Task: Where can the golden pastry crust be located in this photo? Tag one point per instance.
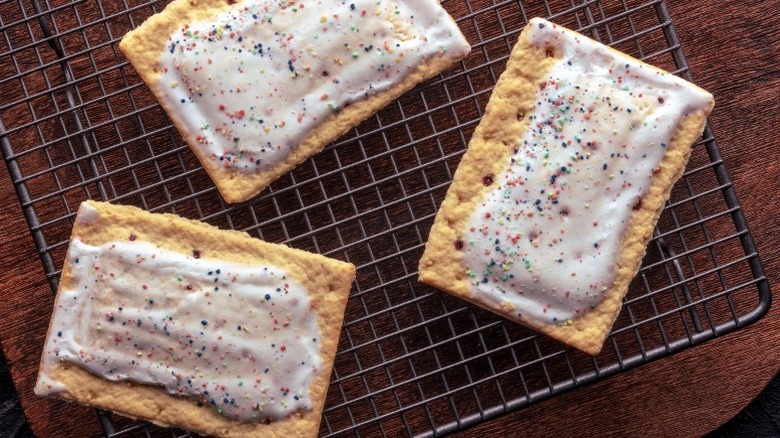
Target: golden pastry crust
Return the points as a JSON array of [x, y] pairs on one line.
[[327, 281], [514, 93], [144, 45]]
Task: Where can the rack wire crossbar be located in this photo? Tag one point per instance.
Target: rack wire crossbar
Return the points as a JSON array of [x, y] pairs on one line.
[[76, 122]]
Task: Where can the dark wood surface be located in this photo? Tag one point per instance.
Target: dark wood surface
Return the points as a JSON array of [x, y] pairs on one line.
[[734, 50]]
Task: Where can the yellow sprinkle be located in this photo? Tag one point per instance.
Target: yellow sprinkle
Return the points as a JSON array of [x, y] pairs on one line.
[[323, 19]]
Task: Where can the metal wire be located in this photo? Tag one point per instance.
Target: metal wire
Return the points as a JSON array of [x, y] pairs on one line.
[[76, 122]]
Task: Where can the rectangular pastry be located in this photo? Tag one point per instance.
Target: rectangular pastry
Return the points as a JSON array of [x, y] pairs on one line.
[[182, 324], [256, 87], [552, 206]]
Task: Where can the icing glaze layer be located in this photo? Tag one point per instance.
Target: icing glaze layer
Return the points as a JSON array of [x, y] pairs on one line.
[[256, 80], [241, 339], [545, 241], [87, 214]]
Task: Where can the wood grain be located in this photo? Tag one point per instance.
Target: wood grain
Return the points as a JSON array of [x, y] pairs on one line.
[[732, 47]]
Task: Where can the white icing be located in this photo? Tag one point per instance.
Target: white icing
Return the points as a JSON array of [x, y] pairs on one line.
[[87, 214], [546, 239], [252, 83], [241, 339]]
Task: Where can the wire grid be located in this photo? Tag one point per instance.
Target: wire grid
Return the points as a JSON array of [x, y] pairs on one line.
[[76, 122]]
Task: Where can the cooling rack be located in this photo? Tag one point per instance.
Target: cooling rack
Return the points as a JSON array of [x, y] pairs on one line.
[[76, 122]]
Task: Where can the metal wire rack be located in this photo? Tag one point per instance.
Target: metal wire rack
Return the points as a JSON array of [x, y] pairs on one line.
[[76, 122]]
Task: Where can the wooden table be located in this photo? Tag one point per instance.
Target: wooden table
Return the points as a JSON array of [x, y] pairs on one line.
[[733, 49]]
